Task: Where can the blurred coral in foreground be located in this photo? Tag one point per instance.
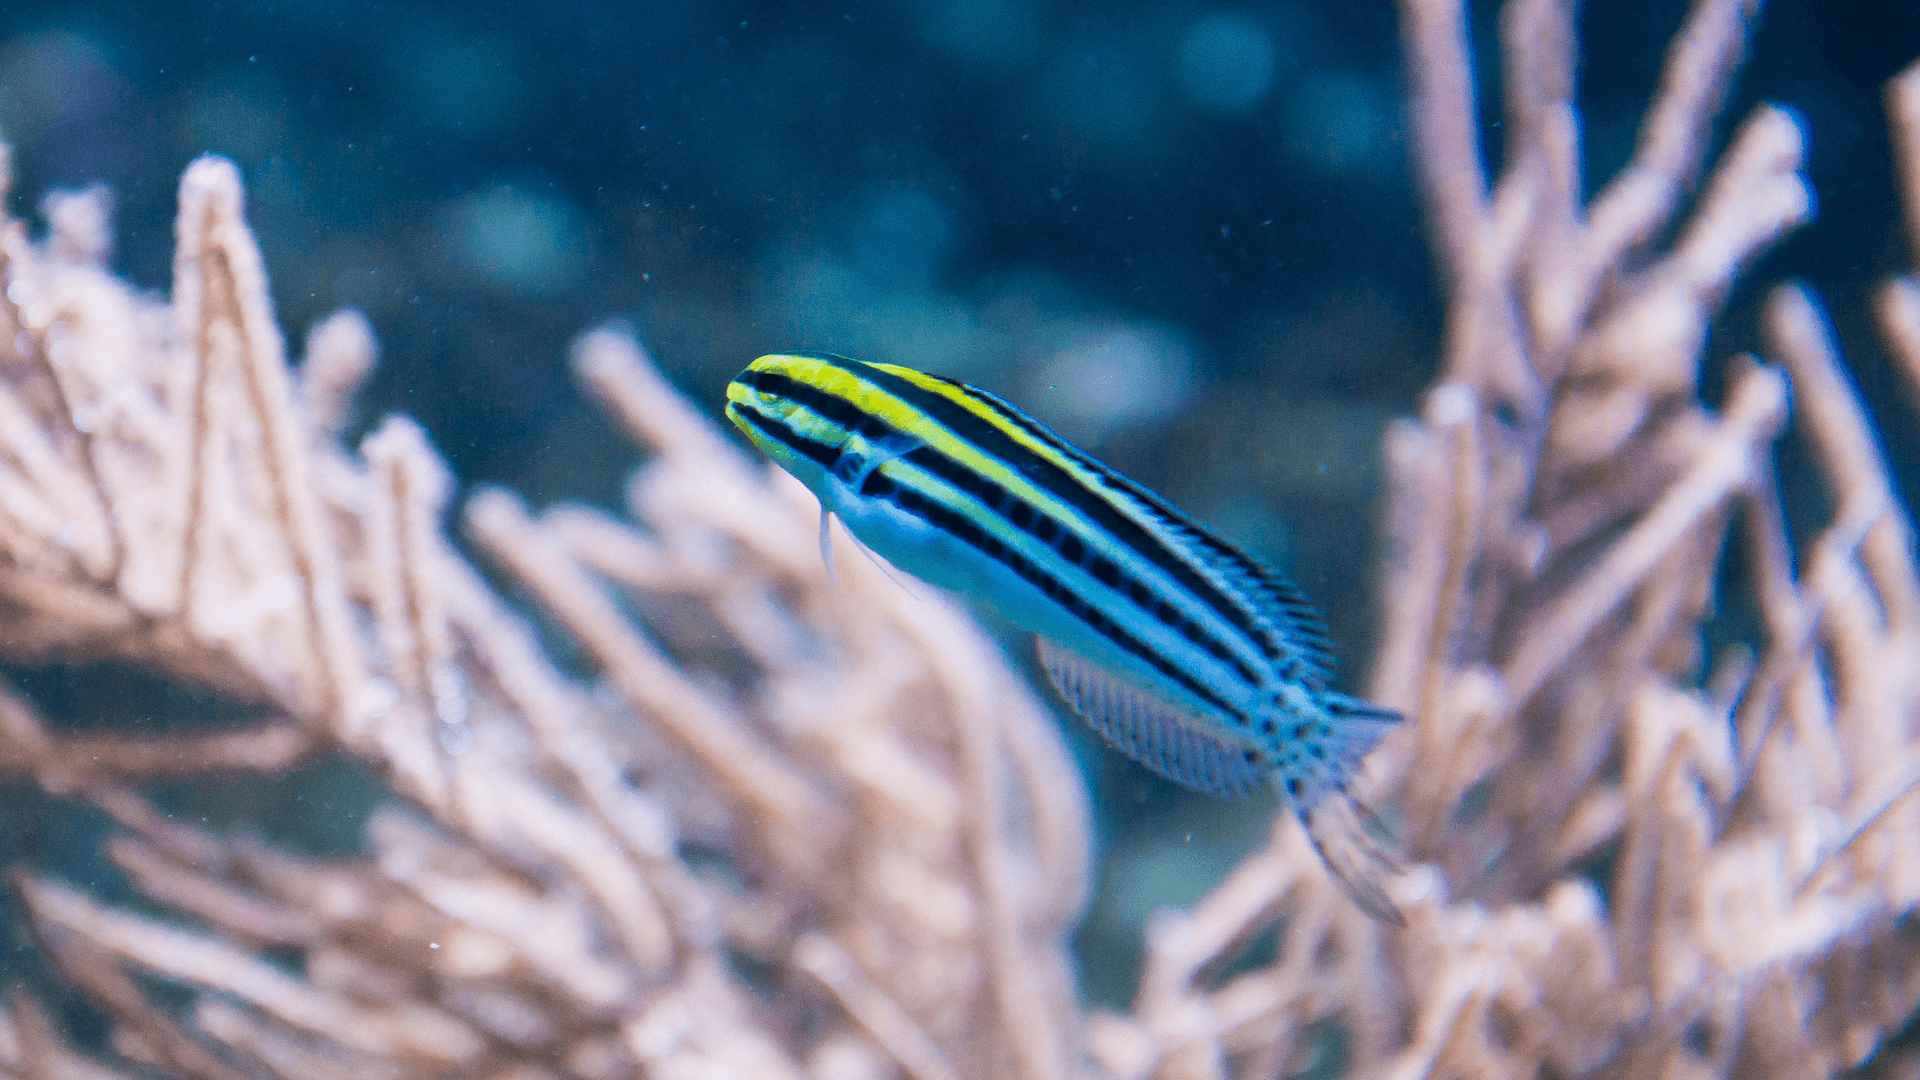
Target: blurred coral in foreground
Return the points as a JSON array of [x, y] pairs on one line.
[[792, 830]]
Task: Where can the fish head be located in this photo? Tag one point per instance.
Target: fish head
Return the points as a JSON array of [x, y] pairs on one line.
[[768, 402]]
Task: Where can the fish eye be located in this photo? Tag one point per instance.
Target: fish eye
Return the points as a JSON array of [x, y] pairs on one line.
[[766, 397]]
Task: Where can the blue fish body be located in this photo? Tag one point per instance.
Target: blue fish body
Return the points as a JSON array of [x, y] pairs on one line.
[[1194, 659]]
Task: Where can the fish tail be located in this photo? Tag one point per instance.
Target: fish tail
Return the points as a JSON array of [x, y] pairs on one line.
[[1351, 841], [1357, 725]]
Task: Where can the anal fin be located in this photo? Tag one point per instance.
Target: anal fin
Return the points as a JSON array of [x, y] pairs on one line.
[[1158, 734]]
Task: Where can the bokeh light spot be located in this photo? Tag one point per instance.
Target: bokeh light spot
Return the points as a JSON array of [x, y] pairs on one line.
[[536, 240], [1226, 62], [902, 238], [1111, 378], [1342, 124], [981, 33]]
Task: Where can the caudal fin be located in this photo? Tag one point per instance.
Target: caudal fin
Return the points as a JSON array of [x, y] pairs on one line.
[[1357, 724], [1351, 841], [1347, 834]]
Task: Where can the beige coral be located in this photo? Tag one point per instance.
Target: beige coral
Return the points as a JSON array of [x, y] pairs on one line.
[[904, 833]]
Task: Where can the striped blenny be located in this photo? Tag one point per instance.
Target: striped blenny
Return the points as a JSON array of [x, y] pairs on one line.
[[1199, 662]]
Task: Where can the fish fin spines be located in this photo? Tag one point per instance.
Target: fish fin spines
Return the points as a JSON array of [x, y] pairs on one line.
[[1348, 836], [1156, 733], [1269, 594], [1358, 725], [1297, 628]]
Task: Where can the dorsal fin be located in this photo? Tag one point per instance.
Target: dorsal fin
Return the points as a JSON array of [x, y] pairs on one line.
[[1272, 598], [1298, 633], [1160, 735]]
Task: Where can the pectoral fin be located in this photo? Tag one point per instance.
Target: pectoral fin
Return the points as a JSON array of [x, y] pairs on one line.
[[862, 455]]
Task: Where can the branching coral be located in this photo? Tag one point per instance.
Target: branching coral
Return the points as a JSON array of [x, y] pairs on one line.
[[903, 836], [1627, 872], [787, 829]]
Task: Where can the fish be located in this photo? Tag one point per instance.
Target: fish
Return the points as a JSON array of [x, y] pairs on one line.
[[1187, 655]]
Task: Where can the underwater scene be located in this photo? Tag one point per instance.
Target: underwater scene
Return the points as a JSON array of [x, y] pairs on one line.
[[1022, 539]]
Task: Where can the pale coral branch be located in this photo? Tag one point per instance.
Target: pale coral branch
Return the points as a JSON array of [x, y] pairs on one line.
[[410, 1030], [1180, 943], [340, 351], [1538, 40], [551, 711], [1903, 117], [41, 1053], [1452, 177], [503, 805], [1755, 195], [1797, 613], [86, 213], [426, 888], [79, 225], [1419, 498], [614, 367], [228, 319], [1061, 822], [401, 529], [1900, 780], [73, 763], [186, 392], [1897, 312], [1026, 1013], [1452, 416], [315, 559], [257, 921], [1543, 149], [143, 1033], [716, 484], [1699, 67], [261, 749], [780, 803], [1754, 409], [1844, 439], [881, 1017], [283, 1052], [624, 555], [180, 843]]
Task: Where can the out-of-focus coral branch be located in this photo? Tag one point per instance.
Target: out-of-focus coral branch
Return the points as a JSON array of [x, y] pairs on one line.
[[1903, 116], [868, 778]]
